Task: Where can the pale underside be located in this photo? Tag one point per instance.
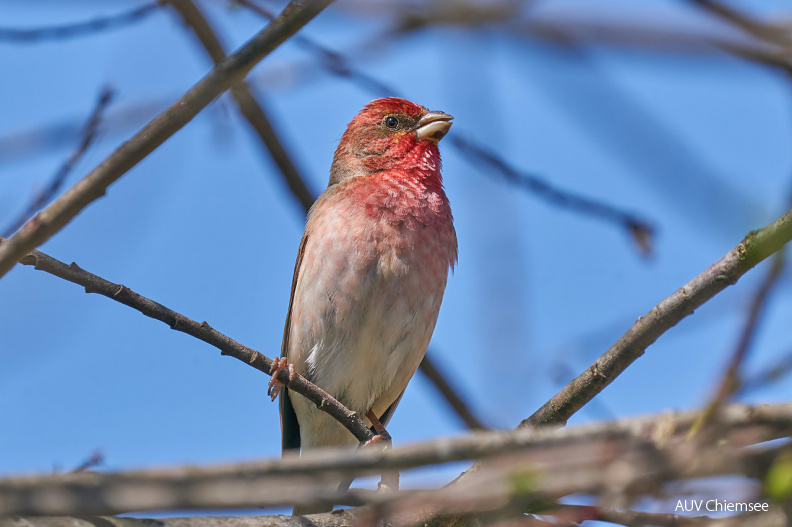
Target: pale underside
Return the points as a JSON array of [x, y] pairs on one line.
[[365, 305]]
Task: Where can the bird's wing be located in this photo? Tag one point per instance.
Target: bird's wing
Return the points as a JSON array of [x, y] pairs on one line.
[[387, 414], [290, 427]]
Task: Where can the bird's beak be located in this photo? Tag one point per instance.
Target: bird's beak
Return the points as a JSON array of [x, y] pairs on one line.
[[433, 126]]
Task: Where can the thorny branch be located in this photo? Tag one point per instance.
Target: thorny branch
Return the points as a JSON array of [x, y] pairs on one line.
[[54, 217], [202, 331], [80, 28], [88, 135]]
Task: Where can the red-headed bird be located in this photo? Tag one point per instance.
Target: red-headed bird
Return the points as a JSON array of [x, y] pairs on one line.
[[370, 274]]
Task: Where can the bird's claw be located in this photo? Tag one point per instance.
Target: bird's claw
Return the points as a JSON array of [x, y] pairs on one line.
[[379, 438], [382, 434], [275, 385]]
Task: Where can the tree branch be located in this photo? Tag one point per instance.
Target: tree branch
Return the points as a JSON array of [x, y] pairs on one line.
[[202, 331], [80, 28], [450, 394], [339, 65], [770, 33], [88, 135], [732, 378], [49, 221], [246, 103], [559, 453], [342, 518], [756, 246]]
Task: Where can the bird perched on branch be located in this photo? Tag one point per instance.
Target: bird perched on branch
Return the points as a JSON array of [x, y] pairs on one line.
[[370, 273]]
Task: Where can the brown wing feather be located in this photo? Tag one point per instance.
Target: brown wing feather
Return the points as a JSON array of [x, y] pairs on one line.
[[290, 427]]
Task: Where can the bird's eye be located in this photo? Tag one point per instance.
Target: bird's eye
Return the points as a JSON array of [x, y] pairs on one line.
[[391, 122]]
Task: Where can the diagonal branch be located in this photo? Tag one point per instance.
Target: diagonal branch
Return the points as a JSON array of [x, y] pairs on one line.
[[450, 394], [770, 33], [756, 246], [53, 218], [88, 135], [640, 230], [732, 380], [246, 103], [202, 331]]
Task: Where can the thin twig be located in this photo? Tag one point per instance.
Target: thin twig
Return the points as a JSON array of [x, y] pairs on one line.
[[774, 35], [202, 331], [88, 27], [53, 218], [248, 107], [732, 378], [776, 371], [94, 460], [88, 135], [450, 394], [331, 60], [640, 230], [770, 33]]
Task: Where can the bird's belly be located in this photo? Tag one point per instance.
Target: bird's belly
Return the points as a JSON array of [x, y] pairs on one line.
[[364, 326], [372, 345]]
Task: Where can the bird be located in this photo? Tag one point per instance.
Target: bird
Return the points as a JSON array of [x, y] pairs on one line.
[[370, 275]]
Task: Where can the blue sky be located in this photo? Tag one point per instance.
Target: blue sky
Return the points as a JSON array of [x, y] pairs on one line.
[[695, 142]]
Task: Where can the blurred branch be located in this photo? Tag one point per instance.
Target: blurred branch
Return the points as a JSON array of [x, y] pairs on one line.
[[341, 518], [80, 28], [94, 460], [39, 140], [202, 331], [53, 218], [550, 457], [754, 248], [452, 397], [773, 373], [640, 230], [732, 379], [337, 64], [250, 109], [768, 518], [770, 33], [331, 60], [88, 135]]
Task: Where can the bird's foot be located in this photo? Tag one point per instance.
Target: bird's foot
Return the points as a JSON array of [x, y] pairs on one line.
[[379, 438], [382, 434], [275, 385]]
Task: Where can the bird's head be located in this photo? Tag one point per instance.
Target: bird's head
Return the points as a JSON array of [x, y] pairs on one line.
[[390, 133]]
